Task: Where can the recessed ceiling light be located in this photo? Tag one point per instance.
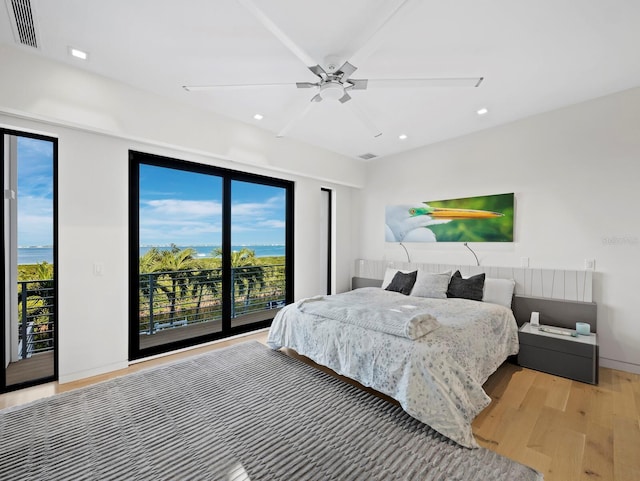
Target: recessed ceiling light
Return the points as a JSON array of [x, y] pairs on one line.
[[258, 117], [402, 136], [81, 54], [482, 111]]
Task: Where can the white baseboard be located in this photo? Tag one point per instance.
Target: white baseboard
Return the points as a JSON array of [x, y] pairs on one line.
[[76, 376], [620, 365]]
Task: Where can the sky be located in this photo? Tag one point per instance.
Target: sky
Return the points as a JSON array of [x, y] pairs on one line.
[[185, 208], [35, 192], [176, 207]]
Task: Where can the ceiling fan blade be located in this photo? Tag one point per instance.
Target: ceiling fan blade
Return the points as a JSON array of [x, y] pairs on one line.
[[306, 85], [346, 70], [319, 71], [294, 120], [279, 34], [198, 88], [365, 118], [345, 98], [357, 84], [369, 40], [425, 82]]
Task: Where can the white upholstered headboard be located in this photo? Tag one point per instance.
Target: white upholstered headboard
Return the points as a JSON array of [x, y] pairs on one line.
[[548, 283]]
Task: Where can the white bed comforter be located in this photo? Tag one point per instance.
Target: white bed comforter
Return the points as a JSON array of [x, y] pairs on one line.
[[436, 378], [395, 315]]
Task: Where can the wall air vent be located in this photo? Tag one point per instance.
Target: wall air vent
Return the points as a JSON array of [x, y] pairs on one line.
[[368, 156], [23, 22]]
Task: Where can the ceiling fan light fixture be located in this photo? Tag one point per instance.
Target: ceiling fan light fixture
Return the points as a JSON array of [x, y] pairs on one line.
[[331, 91]]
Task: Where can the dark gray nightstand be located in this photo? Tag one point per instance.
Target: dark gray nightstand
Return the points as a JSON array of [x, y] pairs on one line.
[[571, 357]]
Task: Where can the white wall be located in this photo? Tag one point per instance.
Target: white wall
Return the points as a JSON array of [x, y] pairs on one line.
[[97, 121], [576, 177]]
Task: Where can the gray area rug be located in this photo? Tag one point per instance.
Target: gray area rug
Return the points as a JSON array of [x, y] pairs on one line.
[[239, 413]]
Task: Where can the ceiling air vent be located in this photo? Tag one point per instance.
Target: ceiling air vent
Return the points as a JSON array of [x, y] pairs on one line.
[[22, 22], [368, 156]]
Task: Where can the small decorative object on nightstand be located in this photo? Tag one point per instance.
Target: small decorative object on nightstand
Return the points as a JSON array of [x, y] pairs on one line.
[[583, 328], [559, 351]]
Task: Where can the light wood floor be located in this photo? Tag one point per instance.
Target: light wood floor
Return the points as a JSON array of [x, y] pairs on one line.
[[566, 429]]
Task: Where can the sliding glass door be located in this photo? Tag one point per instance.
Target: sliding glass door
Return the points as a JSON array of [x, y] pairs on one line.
[[180, 223], [28, 335], [210, 255], [258, 251]]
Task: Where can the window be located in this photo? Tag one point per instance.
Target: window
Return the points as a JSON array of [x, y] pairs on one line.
[[28, 336], [210, 252]]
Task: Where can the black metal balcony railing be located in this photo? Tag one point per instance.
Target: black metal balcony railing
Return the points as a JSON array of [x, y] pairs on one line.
[[182, 298], [36, 302], [167, 300]]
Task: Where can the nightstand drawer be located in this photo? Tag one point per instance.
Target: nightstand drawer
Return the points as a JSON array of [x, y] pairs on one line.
[[556, 344], [559, 363]]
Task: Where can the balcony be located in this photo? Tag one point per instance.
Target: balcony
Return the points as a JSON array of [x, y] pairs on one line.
[[178, 305], [36, 311], [36, 315], [174, 305]]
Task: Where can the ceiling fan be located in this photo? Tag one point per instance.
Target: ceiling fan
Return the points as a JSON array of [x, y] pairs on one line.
[[334, 82]]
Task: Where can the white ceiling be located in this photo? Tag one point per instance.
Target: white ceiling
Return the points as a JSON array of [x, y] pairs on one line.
[[534, 56]]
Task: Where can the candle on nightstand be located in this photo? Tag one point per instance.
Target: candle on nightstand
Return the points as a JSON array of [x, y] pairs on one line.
[[583, 328]]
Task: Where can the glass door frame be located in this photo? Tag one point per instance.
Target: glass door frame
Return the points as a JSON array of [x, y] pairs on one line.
[[3, 341], [136, 158], [328, 254]]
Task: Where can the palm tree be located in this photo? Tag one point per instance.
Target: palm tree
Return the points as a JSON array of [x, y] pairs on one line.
[[247, 273], [208, 281], [44, 271], [147, 265], [36, 299], [149, 260], [178, 265]]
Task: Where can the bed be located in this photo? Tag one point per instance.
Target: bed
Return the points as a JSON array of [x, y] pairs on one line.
[[433, 359]]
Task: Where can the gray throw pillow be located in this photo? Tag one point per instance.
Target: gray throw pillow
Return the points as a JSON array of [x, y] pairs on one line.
[[470, 288], [402, 282], [431, 285]]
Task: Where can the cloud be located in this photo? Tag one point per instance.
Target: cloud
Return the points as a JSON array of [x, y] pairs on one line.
[[267, 219], [196, 222], [184, 208], [35, 221], [35, 167], [273, 224], [165, 221]]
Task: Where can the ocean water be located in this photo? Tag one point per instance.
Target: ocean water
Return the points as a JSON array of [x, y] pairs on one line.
[[207, 251], [35, 255]]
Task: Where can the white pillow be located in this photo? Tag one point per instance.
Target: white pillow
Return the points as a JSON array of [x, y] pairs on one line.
[[388, 275], [431, 285], [498, 291]]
